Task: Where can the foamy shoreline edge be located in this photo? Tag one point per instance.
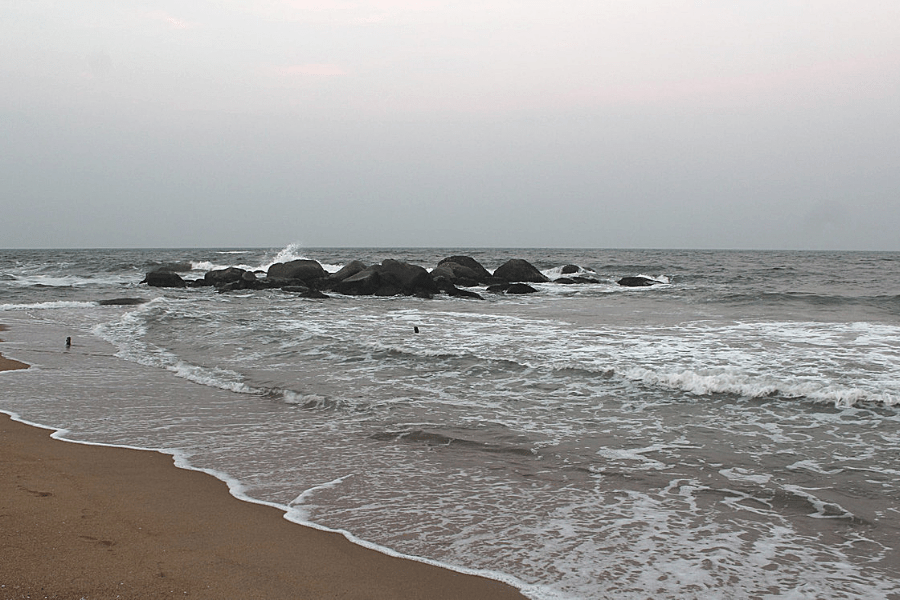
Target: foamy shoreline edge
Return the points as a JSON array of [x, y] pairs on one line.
[[235, 489]]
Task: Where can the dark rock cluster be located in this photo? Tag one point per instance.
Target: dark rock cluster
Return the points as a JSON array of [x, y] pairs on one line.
[[390, 278]]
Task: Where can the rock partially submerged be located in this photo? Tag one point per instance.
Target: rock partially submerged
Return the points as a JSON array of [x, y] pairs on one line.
[[520, 270], [465, 267], [638, 281], [390, 278], [164, 278], [307, 278], [304, 270], [511, 288], [122, 301]]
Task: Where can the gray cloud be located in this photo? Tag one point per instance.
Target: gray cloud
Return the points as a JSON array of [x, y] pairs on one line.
[[404, 123]]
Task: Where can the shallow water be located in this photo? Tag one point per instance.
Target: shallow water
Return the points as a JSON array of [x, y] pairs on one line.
[[731, 432]]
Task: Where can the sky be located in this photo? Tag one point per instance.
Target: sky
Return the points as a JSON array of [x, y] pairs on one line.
[[745, 124]]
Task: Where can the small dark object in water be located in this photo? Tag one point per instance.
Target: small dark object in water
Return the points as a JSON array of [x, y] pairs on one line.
[[68, 342], [520, 288], [164, 279], [636, 282], [416, 329], [122, 302]]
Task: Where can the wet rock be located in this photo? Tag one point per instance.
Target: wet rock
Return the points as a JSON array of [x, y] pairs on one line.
[[390, 278], [363, 283], [520, 288], [637, 282], [474, 269], [302, 269], [122, 301], [164, 278], [456, 274], [451, 290], [520, 270], [348, 270], [511, 288], [220, 277]]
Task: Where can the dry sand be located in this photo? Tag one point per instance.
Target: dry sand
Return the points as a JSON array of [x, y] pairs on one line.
[[93, 522]]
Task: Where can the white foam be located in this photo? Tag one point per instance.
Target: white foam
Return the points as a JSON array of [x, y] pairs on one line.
[[48, 305], [743, 475], [290, 252], [824, 510]]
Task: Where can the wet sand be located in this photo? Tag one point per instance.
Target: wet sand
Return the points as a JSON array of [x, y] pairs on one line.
[[8, 364], [93, 522]]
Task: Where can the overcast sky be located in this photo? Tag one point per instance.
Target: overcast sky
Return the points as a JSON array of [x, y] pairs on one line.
[[592, 123]]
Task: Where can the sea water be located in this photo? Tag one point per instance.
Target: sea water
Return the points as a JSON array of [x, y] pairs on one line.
[[731, 432]]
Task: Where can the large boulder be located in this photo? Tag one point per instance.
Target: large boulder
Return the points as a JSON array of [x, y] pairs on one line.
[[390, 278], [351, 268], [409, 279], [479, 273], [456, 274], [520, 288], [164, 278], [302, 269], [448, 288], [637, 281], [363, 283], [517, 269], [220, 277]]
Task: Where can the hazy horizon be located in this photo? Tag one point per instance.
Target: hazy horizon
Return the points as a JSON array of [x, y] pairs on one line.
[[422, 123]]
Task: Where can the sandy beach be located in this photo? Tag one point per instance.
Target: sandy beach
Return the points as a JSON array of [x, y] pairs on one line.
[[93, 522]]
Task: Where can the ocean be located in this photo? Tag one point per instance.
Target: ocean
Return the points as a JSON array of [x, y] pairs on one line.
[[731, 432]]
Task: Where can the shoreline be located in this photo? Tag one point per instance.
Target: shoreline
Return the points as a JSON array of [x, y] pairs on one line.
[[81, 520], [93, 521], [9, 364]]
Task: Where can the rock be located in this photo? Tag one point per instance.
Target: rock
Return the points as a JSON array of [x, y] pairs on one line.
[[456, 274], [220, 277], [390, 278], [231, 286], [571, 280], [458, 293], [249, 277], [363, 283], [520, 288], [122, 301], [409, 279], [164, 278], [480, 274], [451, 290], [636, 282], [303, 269], [351, 268], [569, 269], [517, 269]]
